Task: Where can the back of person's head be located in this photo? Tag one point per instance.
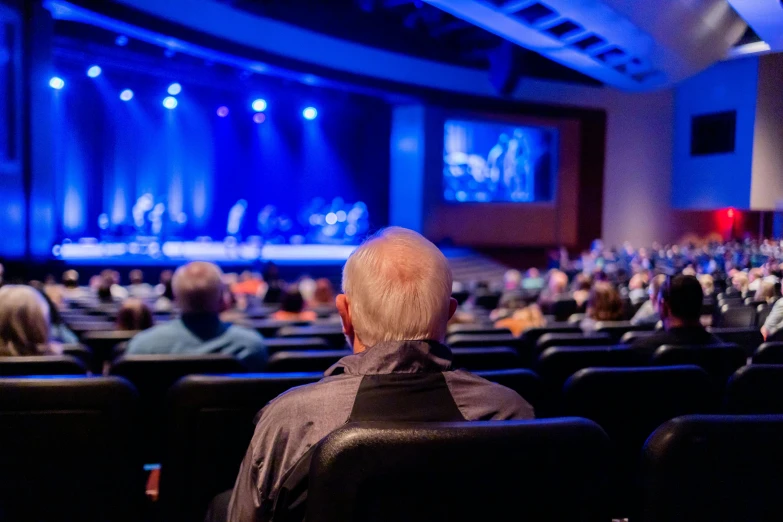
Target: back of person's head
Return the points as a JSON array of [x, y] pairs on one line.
[[740, 281], [604, 303], [136, 277], [198, 288], [70, 279], [558, 282], [767, 291], [681, 297], [292, 301], [324, 291], [24, 321], [166, 276], [707, 284], [51, 309], [583, 282], [655, 286], [134, 315], [397, 286], [512, 279]]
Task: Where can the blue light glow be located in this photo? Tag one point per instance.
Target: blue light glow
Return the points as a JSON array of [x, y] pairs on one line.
[[94, 71], [121, 40], [56, 83], [259, 105], [170, 102], [174, 89], [310, 113], [126, 95]]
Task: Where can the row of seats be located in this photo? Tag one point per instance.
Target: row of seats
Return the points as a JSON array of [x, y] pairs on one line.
[[79, 443]]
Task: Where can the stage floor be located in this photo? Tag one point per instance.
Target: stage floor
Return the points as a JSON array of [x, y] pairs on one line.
[[218, 252]]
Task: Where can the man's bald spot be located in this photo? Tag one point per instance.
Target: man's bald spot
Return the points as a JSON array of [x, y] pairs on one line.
[[198, 287]]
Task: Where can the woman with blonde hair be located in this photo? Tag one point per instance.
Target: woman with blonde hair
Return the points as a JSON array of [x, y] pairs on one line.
[[24, 322], [523, 319]]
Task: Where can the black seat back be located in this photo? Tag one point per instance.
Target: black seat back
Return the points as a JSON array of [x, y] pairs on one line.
[[460, 472], [270, 327], [41, 365], [630, 337], [769, 353], [629, 403], [562, 309], [69, 450], [102, 344], [616, 329], [332, 334], [525, 382], [749, 338], [464, 340], [295, 343], [757, 388], [488, 301], [209, 425], [497, 358], [720, 361], [304, 360], [714, 469], [737, 316], [153, 375], [476, 328], [572, 339]]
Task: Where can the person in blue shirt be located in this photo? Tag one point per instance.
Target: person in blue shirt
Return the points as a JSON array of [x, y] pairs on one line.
[[198, 291]]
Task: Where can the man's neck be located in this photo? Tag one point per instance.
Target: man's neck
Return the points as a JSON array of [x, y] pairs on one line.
[[676, 322]]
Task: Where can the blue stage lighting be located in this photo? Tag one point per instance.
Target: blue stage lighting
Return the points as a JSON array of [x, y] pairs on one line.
[[56, 83], [222, 111], [259, 105], [169, 102], [121, 40], [126, 95], [174, 89], [94, 71], [310, 113]]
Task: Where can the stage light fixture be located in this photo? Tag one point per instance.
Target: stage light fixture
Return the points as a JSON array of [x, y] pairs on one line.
[[56, 83], [174, 89], [222, 111], [94, 71], [170, 102], [310, 113], [126, 95], [121, 40], [259, 117], [259, 105]]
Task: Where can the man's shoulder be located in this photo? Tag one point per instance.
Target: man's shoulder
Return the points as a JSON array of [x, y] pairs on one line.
[[246, 334], [480, 399], [152, 339], [322, 397]]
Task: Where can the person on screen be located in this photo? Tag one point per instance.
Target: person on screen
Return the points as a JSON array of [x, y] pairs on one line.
[[517, 170], [496, 159]]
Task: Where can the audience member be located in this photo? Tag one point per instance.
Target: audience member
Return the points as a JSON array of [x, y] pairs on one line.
[[71, 289], [740, 283], [604, 304], [138, 288], [274, 284], [557, 290], [324, 293], [134, 315], [523, 319], [648, 313], [292, 307], [58, 330], [582, 286], [679, 303], [533, 280], [198, 291], [773, 326], [637, 292], [24, 322], [165, 300], [396, 304], [767, 292], [707, 285], [249, 284]]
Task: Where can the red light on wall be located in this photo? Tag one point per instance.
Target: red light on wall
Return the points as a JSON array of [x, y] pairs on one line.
[[730, 213]]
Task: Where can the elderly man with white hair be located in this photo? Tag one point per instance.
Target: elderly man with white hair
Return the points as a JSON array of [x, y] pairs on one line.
[[394, 309], [198, 290]]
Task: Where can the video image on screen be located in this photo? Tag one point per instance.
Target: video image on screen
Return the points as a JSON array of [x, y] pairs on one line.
[[487, 162]]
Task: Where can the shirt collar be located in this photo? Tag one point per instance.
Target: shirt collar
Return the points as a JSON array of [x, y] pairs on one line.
[[396, 357]]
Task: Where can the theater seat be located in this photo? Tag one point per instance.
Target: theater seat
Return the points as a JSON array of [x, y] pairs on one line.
[[629, 403], [630, 337], [482, 340], [304, 360], [295, 343], [762, 312], [757, 388], [714, 468], [153, 375], [769, 353], [545, 470], [208, 430], [102, 344], [572, 339], [525, 382], [270, 327], [562, 309], [737, 316], [482, 329], [719, 361], [498, 358], [488, 301], [616, 329], [332, 334], [69, 450], [748, 337], [41, 365]]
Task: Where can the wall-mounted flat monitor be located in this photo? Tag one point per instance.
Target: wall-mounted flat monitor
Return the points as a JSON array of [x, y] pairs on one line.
[[713, 133]]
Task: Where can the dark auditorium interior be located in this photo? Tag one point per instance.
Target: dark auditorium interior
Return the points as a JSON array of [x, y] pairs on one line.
[[391, 260]]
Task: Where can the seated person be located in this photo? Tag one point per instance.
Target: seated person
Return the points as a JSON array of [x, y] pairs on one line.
[[324, 293], [134, 315], [138, 288], [679, 303], [557, 290], [396, 304], [58, 330], [292, 307], [636, 291], [648, 312], [523, 319], [604, 304], [198, 292], [24, 322], [773, 326], [582, 286]]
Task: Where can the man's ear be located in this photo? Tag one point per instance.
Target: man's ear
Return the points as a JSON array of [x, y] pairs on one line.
[[452, 307], [344, 309]]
